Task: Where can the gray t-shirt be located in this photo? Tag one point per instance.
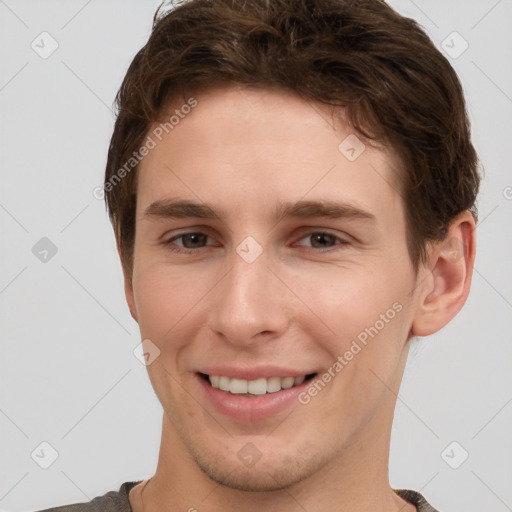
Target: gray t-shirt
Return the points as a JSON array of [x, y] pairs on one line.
[[115, 501]]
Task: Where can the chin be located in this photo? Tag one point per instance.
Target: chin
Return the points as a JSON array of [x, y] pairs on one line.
[[251, 480], [275, 474]]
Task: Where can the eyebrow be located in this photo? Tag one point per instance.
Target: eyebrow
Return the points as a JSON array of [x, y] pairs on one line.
[[184, 208]]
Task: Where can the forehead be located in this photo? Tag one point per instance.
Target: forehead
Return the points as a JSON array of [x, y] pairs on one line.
[[264, 144]]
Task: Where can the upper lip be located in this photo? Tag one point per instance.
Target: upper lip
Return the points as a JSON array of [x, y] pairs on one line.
[[253, 373]]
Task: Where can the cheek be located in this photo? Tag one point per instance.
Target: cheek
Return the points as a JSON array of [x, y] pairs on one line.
[[172, 304], [334, 303], [163, 297], [166, 299], [361, 313], [349, 299], [368, 321]]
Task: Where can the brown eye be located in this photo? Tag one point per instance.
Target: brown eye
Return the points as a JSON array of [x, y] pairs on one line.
[[193, 240], [323, 240], [190, 242]]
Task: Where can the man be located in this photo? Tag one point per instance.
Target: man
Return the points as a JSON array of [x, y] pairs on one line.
[[292, 188]]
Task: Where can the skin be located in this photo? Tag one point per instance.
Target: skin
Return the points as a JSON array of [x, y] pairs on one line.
[[299, 305]]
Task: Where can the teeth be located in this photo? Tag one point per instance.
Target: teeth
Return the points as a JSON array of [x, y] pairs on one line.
[[224, 383], [287, 382], [273, 384], [254, 387], [299, 380], [257, 387], [238, 386]]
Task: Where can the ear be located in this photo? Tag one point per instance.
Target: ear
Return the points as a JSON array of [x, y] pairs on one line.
[[445, 287], [128, 286]]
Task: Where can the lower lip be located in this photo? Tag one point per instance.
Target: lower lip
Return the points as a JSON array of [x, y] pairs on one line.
[[246, 408]]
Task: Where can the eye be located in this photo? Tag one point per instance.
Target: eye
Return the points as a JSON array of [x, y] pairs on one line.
[[323, 240], [191, 242]]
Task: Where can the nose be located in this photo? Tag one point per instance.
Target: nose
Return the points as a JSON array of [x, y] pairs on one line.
[[250, 303]]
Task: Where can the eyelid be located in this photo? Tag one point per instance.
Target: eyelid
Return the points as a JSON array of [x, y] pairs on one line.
[[177, 236], [341, 240], [309, 230], [173, 234]]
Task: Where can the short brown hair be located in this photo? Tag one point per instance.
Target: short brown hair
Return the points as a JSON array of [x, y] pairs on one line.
[[395, 86]]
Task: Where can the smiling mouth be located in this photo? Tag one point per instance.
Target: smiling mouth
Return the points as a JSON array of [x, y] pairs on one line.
[[257, 387]]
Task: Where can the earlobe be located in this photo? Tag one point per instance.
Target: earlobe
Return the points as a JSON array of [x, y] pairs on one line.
[[444, 291]]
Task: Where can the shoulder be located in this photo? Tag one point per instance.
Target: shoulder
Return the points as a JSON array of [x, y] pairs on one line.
[[416, 499], [113, 501]]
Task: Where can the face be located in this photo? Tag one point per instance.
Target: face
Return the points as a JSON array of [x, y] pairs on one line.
[[267, 255]]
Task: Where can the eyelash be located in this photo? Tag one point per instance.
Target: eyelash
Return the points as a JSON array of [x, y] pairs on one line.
[[177, 249]]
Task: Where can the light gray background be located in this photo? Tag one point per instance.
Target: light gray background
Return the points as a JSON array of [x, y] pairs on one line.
[[68, 374]]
